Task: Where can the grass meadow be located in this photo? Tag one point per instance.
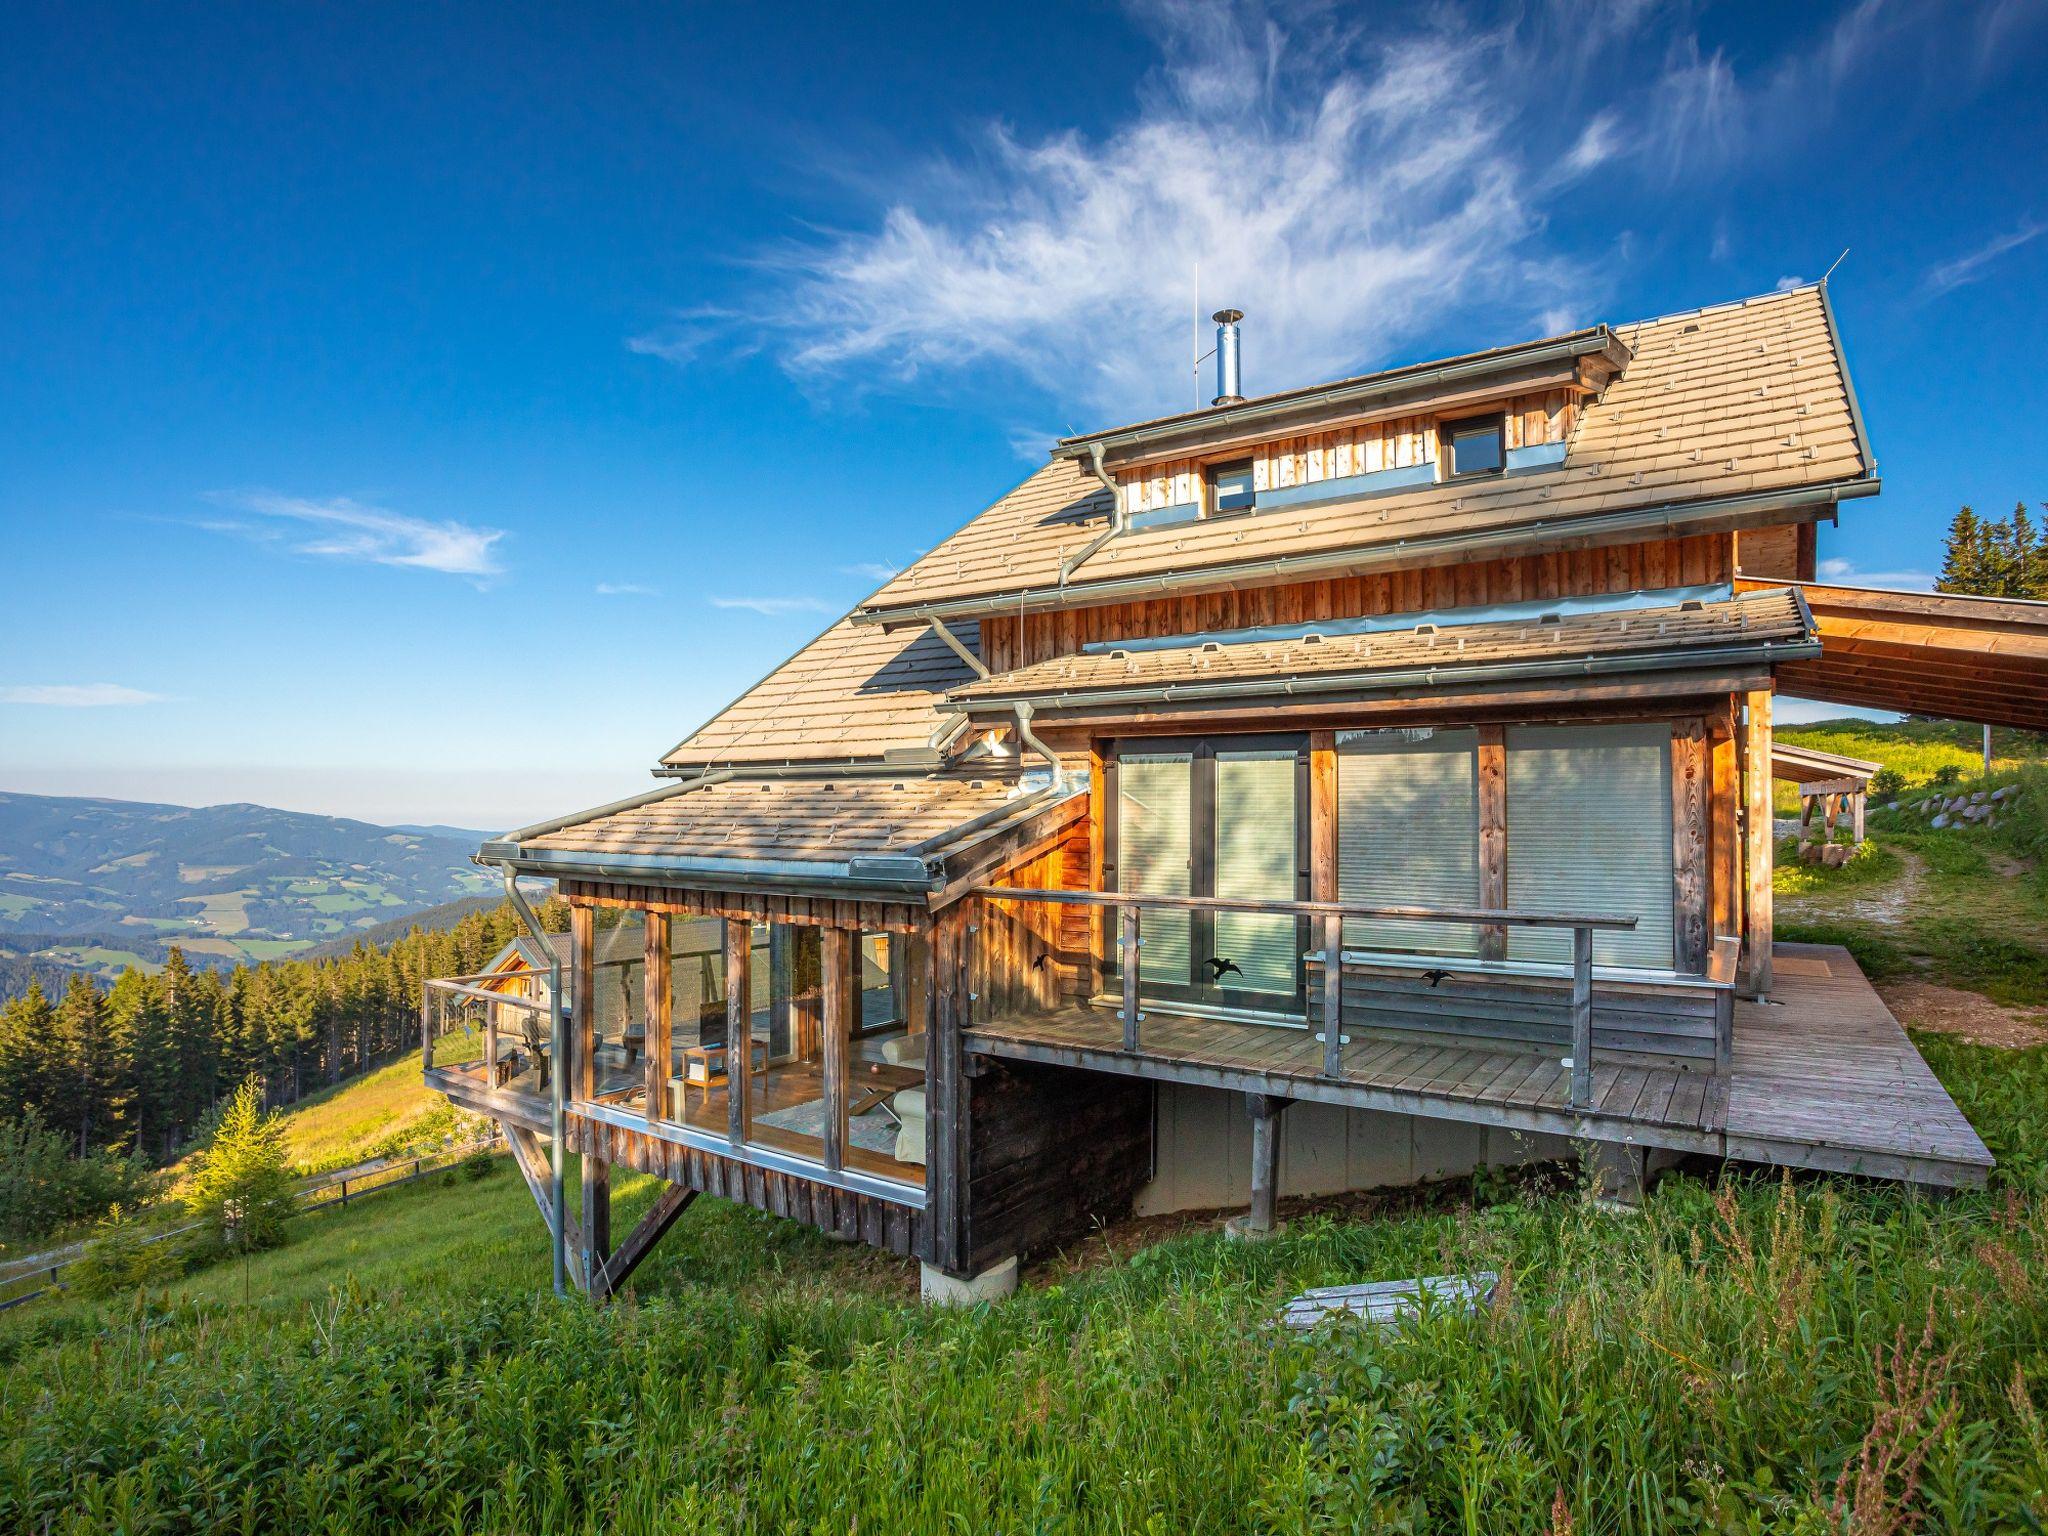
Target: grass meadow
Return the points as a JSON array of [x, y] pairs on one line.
[[1751, 1353]]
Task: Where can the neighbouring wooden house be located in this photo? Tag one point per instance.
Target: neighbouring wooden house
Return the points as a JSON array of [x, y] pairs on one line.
[[1333, 788]]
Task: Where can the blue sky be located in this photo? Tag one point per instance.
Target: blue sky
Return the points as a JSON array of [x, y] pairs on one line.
[[433, 412]]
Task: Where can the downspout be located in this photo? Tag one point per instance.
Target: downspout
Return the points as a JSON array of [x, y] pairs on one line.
[[1116, 515], [558, 1195], [1030, 739]]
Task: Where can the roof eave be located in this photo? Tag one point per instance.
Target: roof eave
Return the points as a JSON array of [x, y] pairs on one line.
[[1714, 514], [1395, 680], [1221, 421]]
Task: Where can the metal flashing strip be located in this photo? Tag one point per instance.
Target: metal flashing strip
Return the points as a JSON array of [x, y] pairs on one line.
[[1317, 493], [1439, 618], [756, 1156], [1395, 679], [1418, 377], [904, 874], [1711, 515]]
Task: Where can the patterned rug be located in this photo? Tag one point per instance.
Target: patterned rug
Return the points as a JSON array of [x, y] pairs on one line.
[[873, 1130]]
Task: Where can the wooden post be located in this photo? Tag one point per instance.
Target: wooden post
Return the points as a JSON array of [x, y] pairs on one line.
[[1333, 995], [946, 1094], [597, 1173], [1723, 825], [1493, 835], [739, 1026], [1265, 1113], [1756, 768], [1805, 817], [1130, 978], [426, 1030], [1856, 803], [1582, 1017], [1689, 855], [1098, 844], [491, 1011], [1830, 809], [660, 1021], [842, 996]]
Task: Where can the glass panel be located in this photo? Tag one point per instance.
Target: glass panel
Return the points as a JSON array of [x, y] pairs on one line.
[[697, 1083], [1408, 835], [1154, 807], [1589, 830], [1476, 450], [617, 1033], [785, 1101], [885, 1132], [1257, 857], [1230, 487]]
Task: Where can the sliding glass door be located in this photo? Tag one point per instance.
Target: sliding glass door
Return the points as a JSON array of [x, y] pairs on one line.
[[1223, 817]]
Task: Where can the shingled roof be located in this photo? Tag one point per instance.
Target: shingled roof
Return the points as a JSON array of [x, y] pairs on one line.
[[1393, 653], [1746, 402], [852, 695]]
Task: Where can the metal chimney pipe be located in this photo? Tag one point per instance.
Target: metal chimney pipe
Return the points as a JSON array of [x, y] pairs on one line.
[[1227, 390]]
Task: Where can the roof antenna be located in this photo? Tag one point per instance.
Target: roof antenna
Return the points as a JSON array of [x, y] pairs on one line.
[[1831, 270]]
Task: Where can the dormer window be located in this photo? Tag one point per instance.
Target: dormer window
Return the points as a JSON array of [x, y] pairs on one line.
[[1230, 487], [1474, 446]]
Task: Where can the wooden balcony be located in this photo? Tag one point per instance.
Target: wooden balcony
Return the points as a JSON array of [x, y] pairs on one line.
[[1822, 1076]]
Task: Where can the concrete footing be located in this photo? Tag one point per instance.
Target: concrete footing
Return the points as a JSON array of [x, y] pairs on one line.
[[940, 1289], [1244, 1229], [1618, 1175]]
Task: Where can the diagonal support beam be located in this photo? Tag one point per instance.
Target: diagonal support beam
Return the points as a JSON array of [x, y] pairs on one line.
[[532, 1159], [649, 1230]]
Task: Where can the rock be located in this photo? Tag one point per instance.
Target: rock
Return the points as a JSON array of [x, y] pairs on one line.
[[1938, 823], [1835, 855], [1977, 798], [1809, 853], [2003, 793]]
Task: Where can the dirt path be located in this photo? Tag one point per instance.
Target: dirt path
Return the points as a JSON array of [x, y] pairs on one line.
[[1947, 1011], [1885, 904]]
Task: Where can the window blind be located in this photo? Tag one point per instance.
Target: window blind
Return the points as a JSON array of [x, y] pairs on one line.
[[1408, 835], [1257, 854], [1589, 830], [1154, 810]]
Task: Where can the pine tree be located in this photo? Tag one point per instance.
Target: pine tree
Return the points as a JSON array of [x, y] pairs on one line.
[[87, 1065], [2023, 557], [1962, 561], [241, 1184]]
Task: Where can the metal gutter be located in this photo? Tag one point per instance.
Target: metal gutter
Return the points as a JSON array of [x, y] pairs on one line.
[[1411, 677], [1671, 517], [1827, 310], [1118, 521], [915, 761], [903, 873], [558, 1080], [1422, 377]]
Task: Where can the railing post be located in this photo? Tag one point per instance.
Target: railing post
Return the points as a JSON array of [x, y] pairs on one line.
[[1130, 969], [1333, 995], [426, 1029], [1582, 1017]]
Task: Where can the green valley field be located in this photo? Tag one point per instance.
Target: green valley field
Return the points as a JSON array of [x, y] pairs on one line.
[[1749, 1354]]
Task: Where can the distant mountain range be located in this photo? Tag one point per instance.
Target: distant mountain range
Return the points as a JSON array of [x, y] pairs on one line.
[[102, 884]]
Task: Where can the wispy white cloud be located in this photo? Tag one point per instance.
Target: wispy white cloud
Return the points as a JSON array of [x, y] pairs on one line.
[[872, 570], [1847, 573], [1787, 283], [76, 695], [1945, 277], [775, 607], [1349, 181], [624, 589], [340, 528]]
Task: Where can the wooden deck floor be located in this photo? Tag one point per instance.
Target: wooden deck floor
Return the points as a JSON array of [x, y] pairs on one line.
[[1823, 1077]]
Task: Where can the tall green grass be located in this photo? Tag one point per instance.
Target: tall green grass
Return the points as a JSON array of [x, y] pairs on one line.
[[1718, 1363]]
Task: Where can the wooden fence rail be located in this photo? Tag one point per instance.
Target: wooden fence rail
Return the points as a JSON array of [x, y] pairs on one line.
[[317, 1196], [1329, 918]]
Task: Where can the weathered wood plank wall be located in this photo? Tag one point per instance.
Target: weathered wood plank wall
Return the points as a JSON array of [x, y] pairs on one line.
[[1653, 564]]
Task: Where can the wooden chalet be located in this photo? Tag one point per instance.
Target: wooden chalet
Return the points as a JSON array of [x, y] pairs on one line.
[[1326, 789]]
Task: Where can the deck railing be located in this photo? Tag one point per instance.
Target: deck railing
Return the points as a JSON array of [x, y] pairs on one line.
[[1328, 917], [475, 1007]]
